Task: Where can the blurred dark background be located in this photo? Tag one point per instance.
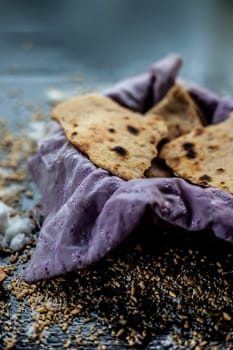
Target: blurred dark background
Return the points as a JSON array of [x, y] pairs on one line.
[[106, 40]]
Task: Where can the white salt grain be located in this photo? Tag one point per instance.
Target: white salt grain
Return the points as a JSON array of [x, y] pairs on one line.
[[14, 231], [18, 242], [37, 130], [4, 217]]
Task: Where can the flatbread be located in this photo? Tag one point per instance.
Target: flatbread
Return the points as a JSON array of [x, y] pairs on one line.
[[113, 137], [204, 156], [179, 111]]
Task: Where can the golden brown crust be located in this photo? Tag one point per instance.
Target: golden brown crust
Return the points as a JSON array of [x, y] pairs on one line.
[[179, 112], [204, 156], [113, 137]]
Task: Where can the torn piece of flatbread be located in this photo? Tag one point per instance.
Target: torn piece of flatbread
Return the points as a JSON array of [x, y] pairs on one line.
[[179, 111], [204, 156], [114, 138], [158, 168]]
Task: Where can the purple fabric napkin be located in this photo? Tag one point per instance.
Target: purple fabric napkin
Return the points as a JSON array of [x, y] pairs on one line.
[[144, 91], [88, 212], [215, 108]]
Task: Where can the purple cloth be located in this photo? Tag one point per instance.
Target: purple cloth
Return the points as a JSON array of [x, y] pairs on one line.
[[144, 91], [88, 212], [215, 108]]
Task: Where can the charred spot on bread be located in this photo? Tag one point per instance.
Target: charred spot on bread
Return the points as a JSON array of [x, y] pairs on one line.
[[213, 147], [189, 148], [205, 179], [175, 161], [198, 131], [132, 130], [120, 151], [220, 170]]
